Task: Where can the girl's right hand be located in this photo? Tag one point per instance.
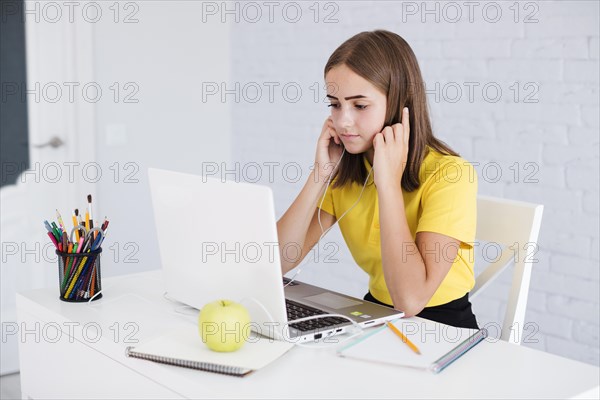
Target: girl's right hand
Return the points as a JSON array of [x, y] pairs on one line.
[[329, 151]]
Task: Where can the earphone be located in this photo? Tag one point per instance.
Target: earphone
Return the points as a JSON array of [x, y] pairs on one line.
[[325, 193], [323, 233]]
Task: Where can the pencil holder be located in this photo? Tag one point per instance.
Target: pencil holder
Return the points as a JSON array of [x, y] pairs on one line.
[[79, 276]]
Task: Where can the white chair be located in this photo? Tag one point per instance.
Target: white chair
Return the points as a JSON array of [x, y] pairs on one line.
[[515, 226]]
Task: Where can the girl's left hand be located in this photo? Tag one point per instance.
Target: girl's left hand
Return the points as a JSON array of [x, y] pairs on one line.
[[391, 152]]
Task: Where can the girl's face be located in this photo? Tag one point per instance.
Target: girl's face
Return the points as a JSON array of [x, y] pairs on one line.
[[357, 108]]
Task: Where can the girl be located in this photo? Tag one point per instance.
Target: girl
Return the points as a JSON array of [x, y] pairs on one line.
[[405, 202]]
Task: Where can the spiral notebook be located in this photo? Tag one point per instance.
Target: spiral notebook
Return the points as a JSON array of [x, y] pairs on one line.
[[184, 348], [440, 345]]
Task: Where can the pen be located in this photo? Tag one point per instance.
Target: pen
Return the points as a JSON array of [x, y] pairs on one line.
[[51, 236], [56, 231], [48, 227], [104, 224], [77, 272], [76, 249], [92, 283], [76, 269], [96, 242], [84, 247], [89, 199], [404, 338], [60, 221], [69, 260], [64, 241], [75, 223]]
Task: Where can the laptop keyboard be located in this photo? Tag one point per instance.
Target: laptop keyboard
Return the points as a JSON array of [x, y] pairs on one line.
[[296, 311]]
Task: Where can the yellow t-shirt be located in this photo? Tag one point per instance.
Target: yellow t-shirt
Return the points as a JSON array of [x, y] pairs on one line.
[[445, 203]]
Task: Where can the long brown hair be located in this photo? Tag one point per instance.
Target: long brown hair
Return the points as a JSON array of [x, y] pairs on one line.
[[385, 60]]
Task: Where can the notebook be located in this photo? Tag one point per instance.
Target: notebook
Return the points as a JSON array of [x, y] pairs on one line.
[[184, 348], [439, 344]]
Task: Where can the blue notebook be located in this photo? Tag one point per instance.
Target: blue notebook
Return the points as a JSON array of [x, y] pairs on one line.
[[440, 345]]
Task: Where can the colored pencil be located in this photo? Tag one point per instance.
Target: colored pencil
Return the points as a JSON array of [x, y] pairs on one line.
[[404, 338]]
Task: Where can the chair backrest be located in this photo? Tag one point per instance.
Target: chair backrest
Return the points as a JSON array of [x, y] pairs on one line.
[[514, 226]]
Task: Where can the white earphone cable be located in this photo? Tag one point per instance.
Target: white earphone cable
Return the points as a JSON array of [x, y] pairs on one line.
[[323, 233]]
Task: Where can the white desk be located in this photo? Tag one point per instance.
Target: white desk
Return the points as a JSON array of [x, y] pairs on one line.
[[86, 365]]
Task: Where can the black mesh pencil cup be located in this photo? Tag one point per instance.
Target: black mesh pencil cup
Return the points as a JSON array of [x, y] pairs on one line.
[[79, 276]]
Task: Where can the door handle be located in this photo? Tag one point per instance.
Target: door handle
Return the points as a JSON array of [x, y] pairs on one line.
[[54, 142]]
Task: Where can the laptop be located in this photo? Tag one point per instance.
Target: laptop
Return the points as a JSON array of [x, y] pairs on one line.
[[218, 240]]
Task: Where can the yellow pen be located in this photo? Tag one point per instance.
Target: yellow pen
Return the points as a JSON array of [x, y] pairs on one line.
[[87, 220], [404, 338]]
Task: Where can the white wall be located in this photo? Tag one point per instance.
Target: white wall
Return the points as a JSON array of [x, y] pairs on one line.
[[557, 134], [166, 55]]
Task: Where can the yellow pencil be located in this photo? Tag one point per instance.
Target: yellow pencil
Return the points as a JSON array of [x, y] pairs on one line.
[[75, 226], [404, 338], [72, 285]]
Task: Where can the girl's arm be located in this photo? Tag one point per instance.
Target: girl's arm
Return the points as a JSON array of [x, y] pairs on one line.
[[412, 271], [298, 229]]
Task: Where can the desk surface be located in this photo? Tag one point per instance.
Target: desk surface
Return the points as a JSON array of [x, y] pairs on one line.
[[133, 309]]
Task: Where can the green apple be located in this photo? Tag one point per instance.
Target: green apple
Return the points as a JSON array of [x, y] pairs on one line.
[[224, 325]]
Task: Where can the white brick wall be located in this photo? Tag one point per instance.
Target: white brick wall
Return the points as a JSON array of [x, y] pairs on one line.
[[558, 132]]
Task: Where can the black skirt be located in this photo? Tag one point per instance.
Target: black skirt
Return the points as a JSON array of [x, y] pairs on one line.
[[456, 313]]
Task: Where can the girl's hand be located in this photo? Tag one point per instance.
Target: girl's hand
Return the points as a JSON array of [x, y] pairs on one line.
[[329, 151], [391, 152]]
